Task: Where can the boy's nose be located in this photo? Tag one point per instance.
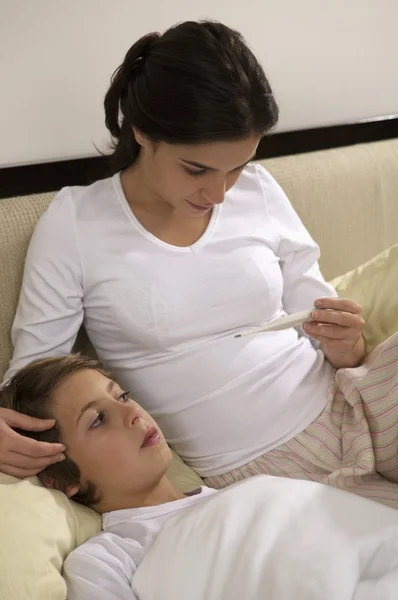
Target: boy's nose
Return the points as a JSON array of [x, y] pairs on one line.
[[132, 415]]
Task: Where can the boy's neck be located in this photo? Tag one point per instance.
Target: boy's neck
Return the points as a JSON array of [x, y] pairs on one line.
[[162, 493]]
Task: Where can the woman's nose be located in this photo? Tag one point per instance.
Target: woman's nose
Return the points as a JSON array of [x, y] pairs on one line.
[[215, 193]]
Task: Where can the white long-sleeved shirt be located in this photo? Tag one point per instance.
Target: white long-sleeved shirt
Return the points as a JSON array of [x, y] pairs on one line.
[[162, 318], [103, 567]]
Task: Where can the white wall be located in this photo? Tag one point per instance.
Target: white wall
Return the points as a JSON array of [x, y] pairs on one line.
[[329, 61]]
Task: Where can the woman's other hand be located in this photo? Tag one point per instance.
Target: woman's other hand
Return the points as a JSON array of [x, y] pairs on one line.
[[338, 327]]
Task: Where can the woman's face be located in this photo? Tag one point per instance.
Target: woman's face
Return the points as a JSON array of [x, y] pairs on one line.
[[192, 179], [116, 445]]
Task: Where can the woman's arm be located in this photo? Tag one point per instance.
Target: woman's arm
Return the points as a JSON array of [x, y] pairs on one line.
[[50, 307], [298, 254], [339, 328], [49, 314]]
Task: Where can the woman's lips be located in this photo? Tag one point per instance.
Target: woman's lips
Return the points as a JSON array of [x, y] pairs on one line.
[[151, 438], [199, 207]]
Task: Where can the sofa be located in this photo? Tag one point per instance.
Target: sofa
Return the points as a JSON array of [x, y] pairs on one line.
[[348, 199]]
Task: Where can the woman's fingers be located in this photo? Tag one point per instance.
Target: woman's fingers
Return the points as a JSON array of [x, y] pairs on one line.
[[332, 332], [340, 318], [21, 456], [16, 419], [20, 444], [339, 304], [17, 471], [31, 463]]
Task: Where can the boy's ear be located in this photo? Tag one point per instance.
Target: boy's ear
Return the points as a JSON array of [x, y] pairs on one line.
[[52, 483]]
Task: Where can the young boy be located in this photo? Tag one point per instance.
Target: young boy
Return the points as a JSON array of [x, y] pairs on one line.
[[116, 462]]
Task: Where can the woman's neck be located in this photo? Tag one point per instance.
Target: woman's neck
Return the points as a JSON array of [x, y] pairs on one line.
[[156, 216], [139, 194]]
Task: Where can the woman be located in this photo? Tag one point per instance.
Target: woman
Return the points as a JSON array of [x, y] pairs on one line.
[[186, 244]]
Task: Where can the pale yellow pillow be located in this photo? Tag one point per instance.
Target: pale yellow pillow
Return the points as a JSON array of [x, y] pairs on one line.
[[375, 286], [184, 478], [39, 528]]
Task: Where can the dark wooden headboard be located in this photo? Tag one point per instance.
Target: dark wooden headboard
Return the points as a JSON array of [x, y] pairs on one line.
[[50, 176]]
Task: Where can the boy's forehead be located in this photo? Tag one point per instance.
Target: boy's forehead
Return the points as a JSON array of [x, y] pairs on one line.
[[81, 387]]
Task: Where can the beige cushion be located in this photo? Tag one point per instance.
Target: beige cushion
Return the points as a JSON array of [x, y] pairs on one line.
[[374, 285], [347, 198]]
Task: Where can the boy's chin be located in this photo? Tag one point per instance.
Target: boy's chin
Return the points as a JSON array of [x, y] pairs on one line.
[[157, 463], [161, 465], [164, 459]]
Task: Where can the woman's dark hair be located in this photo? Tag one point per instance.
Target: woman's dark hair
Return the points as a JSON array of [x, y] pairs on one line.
[[29, 392], [197, 83]]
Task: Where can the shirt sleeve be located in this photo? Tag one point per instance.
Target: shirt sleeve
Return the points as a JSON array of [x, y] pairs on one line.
[[297, 252], [99, 570], [50, 307]]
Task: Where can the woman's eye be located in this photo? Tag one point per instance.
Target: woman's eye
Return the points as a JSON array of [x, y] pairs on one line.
[[124, 397], [98, 421], [195, 172]]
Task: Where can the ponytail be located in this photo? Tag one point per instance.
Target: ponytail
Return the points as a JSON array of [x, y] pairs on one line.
[[197, 83], [120, 101]]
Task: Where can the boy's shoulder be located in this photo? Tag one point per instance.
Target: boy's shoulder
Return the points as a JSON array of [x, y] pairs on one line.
[[101, 567], [104, 548]]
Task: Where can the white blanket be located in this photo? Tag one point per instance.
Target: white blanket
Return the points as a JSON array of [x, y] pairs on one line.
[[275, 539]]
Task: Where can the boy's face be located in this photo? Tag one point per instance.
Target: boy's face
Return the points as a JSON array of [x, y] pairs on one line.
[[116, 444]]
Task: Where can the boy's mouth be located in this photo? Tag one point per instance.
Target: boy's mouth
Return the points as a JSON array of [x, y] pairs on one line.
[[151, 437]]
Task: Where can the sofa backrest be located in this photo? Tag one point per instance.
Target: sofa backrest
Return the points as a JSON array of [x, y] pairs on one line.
[[347, 198], [18, 217]]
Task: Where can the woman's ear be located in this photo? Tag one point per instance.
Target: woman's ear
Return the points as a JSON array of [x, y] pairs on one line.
[[52, 483], [141, 139]]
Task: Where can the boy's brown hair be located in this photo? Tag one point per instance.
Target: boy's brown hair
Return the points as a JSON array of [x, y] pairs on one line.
[[29, 392]]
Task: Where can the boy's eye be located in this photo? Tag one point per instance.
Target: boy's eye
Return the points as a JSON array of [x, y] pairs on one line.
[[100, 418], [98, 421], [124, 397]]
